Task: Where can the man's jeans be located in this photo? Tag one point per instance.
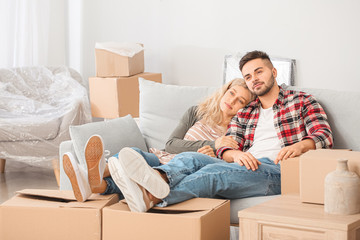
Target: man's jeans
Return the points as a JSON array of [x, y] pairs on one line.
[[150, 158], [194, 175]]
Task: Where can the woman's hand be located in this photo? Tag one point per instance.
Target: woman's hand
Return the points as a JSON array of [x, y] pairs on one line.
[[206, 150], [226, 141]]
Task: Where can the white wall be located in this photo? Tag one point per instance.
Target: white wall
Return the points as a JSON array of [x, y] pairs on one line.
[[73, 40], [186, 40], [57, 34]]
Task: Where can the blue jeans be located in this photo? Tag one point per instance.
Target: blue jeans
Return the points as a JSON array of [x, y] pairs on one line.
[[194, 175], [111, 188]]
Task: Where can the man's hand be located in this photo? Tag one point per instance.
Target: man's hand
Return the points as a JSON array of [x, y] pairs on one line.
[[295, 150], [206, 150], [242, 158], [226, 141]]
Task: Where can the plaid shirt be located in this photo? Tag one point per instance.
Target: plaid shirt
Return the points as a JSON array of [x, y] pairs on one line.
[[297, 116]]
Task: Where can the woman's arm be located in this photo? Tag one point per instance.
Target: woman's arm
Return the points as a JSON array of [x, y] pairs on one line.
[[176, 142]]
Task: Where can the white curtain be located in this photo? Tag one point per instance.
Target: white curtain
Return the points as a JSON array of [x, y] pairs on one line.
[[25, 32]]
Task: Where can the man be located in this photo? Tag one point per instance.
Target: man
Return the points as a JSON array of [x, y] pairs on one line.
[[277, 125], [299, 122]]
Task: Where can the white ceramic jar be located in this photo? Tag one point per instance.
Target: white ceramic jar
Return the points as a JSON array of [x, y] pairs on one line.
[[342, 190]]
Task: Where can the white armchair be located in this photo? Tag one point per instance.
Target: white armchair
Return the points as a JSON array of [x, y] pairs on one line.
[[37, 106]]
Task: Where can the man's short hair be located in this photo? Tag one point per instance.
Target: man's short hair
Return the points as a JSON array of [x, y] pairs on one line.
[[253, 55]]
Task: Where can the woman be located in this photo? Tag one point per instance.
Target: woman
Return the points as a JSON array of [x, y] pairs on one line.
[[201, 130]]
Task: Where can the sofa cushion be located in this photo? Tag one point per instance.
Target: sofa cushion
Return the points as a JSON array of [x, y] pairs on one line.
[[116, 133], [341, 109], [162, 106]]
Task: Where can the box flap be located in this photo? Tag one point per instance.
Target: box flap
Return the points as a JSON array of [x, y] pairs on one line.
[[96, 204], [195, 207], [58, 199], [59, 194], [195, 204], [324, 154]]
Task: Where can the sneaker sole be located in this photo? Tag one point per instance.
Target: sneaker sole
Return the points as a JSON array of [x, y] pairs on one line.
[[93, 152], [70, 172], [129, 189], [140, 172]]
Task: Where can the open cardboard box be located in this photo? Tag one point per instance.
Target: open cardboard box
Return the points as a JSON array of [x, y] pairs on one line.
[[197, 219], [313, 173], [109, 64], [316, 164], [37, 214]]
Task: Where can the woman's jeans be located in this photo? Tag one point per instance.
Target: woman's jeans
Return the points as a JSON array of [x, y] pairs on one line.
[[192, 175], [111, 188]]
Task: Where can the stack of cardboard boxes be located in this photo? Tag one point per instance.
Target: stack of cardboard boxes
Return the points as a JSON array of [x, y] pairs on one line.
[[114, 92], [35, 214]]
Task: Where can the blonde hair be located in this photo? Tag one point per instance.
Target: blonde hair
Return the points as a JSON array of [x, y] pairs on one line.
[[209, 110]]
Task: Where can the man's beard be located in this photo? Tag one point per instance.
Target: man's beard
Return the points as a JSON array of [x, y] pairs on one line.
[[264, 91]]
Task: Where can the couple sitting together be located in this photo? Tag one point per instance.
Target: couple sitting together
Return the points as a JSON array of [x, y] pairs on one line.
[[229, 146]]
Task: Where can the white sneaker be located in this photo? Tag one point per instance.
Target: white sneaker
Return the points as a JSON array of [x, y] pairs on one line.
[[77, 176], [138, 170], [135, 195], [95, 160]]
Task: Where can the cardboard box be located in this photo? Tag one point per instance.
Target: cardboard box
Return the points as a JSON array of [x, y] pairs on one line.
[[35, 214], [198, 218], [117, 97], [290, 182], [315, 165], [109, 64]]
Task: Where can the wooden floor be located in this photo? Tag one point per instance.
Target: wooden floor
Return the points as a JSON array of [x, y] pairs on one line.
[[19, 175]]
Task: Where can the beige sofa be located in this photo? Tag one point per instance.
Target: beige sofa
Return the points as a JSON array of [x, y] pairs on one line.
[[161, 107]]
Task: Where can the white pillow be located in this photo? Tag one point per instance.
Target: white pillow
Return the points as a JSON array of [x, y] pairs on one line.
[[162, 106], [116, 133]]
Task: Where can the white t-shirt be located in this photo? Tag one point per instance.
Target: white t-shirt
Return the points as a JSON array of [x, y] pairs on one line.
[[266, 142]]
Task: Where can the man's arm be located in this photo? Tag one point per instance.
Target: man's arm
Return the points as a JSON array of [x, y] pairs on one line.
[[317, 127], [242, 158], [316, 123], [228, 154], [295, 150]]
